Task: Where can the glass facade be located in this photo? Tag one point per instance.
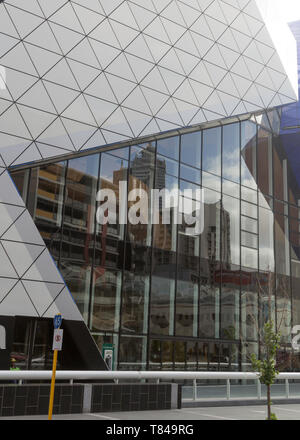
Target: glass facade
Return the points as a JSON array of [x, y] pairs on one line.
[[167, 299]]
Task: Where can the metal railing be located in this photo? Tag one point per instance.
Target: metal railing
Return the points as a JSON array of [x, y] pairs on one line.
[[18, 376]]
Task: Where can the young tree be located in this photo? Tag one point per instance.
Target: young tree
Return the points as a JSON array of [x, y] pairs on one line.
[[269, 339], [267, 366]]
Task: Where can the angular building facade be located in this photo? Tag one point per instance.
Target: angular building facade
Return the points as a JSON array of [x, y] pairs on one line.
[[158, 94]]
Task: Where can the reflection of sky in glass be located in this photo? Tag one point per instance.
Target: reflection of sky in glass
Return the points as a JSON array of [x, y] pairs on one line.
[[212, 150], [87, 165]]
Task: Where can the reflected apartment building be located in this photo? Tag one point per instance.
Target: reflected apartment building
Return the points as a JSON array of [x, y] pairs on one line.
[[202, 99]]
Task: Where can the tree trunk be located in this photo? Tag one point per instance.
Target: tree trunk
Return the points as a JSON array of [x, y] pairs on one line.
[[269, 401]]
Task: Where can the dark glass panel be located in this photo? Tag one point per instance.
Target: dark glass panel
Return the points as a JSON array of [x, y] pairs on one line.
[[191, 149], [191, 355], [211, 235], [249, 305], [187, 307], [230, 303], [79, 209], [214, 357], [21, 180], [133, 353], [180, 355], [106, 298], [167, 350], [264, 160], [248, 349], [46, 202], [162, 305], [282, 249], [135, 300], [231, 152], [155, 355], [211, 160], [202, 356], [141, 180], [295, 280], [209, 300], [280, 175], [231, 188], [283, 307], [77, 276]]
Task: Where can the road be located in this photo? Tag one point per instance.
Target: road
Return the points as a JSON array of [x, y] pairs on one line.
[[283, 412]]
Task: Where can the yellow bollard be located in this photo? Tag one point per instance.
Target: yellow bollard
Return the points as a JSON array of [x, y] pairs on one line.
[[52, 385]]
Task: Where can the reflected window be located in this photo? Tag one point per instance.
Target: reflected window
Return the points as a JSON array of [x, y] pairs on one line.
[[212, 150], [231, 152], [191, 145], [106, 297], [169, 147]]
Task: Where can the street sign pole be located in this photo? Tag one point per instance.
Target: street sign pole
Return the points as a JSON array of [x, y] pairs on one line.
[[57, 343]]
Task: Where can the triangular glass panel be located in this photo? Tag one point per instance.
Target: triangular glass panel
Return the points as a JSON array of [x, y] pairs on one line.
[[84, 75], [57, 136], [49, 8], [139, 66], [44, 269], [17, 303], [42, 59], [105, 54], [101, 88], [87, 18], [9, 214], [96, 140], [121, 87], [79, 133], [118, 123], [139, 48], [172, 79], [154, 99], [202, 91], [23, 230], [67, 39], [36, 120], [79, 111], [42, 294], [84, 54], [13, 148], [170, 113], [61, 96], [121, 67], [142, 15], [137, 121], [6, 286], [12, 123], [66, 17], [6, 24], [64, 304], [7, 43], [124, 15], [186, 93], [30, 155], [125, 35], [22, 255], [18, 83], [18, 59], [154, 81], [37, 97], [43, 37], [100, 109], [105, 34], [136, 101], [62, 75], [24, 21], [8, 191]]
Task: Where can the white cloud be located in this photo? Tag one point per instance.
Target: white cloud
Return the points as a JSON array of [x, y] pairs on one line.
[[290, 10]]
